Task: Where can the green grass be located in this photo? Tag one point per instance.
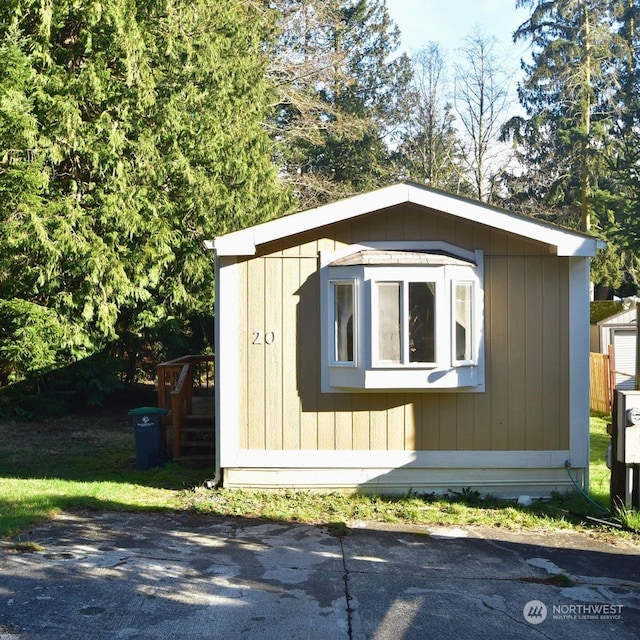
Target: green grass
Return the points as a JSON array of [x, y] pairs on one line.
[[599, 475], [339, 510], [455, 508], [629, 518], [87, 462], [27, 546], [81, 462]]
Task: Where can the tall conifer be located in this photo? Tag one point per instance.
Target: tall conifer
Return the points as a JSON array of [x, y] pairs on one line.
[[130, 131]]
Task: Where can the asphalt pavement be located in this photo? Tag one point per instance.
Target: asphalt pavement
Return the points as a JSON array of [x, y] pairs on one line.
[[106, 576]]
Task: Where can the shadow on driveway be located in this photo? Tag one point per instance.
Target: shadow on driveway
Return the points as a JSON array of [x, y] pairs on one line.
[[155, 576]]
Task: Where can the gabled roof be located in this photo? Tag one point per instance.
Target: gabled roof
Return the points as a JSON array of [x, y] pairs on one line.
[[244, 242], [624, 311]]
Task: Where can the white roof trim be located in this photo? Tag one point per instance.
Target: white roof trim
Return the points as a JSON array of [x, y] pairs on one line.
[[618, 314], [244, 242]]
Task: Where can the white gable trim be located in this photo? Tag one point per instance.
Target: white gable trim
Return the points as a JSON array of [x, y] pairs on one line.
[[244, 242]]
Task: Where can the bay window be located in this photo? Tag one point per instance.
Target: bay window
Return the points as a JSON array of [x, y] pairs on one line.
[[402, 317]]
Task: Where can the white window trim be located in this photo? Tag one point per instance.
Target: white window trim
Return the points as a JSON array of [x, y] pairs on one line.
[[403, 276], [368, 374], [332, 337], [474, 323]]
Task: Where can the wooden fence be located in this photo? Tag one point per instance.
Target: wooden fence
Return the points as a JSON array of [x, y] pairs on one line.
[[600, 382]]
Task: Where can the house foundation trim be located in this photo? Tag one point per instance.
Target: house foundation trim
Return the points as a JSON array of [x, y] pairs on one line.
[[344, 459], [508, 483]]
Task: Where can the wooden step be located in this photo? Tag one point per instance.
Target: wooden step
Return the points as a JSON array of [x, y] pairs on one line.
[[199, 420], [197, 429], [197, 444], [196, 448], [197, 434], [201, 460]]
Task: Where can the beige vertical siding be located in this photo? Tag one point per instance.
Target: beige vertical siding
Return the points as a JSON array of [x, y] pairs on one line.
[[525, 406]]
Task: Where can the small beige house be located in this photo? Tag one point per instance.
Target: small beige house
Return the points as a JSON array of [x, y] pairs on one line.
[[403, 339]]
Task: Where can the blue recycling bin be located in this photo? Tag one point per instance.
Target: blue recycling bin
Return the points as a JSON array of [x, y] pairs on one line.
[[148, 433]]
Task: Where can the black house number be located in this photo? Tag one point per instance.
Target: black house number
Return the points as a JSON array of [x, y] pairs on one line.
[[264, 337]]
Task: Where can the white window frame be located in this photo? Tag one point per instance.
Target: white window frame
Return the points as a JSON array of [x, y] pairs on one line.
[[367, 373], [404, 276], [473, 360], [333, 348]]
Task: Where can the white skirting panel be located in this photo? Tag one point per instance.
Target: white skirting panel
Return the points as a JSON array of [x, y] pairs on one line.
[[347, 459], [499, 482]]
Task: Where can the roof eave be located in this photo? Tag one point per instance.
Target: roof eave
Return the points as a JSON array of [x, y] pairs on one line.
[[245, 242]]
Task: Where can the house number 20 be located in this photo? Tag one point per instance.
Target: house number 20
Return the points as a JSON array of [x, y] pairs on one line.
[[264, 337]]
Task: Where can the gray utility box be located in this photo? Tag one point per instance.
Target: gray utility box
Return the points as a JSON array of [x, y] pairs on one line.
[[149, 442], [628, 427]]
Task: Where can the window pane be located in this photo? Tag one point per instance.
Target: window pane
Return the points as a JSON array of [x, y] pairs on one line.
[[422, 328], [463, 314], [343, 321], [389, 344]]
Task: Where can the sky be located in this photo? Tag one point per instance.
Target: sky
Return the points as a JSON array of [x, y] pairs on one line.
[[447, 22]]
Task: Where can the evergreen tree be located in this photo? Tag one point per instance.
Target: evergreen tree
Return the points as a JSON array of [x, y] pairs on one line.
[[566, 94], [340, 91], [130, 131], [618, 201]]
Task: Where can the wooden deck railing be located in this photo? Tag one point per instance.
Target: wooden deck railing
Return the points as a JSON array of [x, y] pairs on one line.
[[177, 381]]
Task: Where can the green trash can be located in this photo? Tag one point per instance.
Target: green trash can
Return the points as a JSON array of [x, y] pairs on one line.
[[149, 445]]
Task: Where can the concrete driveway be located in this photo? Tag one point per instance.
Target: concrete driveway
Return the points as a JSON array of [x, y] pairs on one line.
[[150, 576]]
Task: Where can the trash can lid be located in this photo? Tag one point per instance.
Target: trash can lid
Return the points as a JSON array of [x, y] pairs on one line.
[[148, 411]]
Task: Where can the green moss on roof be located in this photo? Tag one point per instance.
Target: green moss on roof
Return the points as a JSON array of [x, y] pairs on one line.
[[601, 309]]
